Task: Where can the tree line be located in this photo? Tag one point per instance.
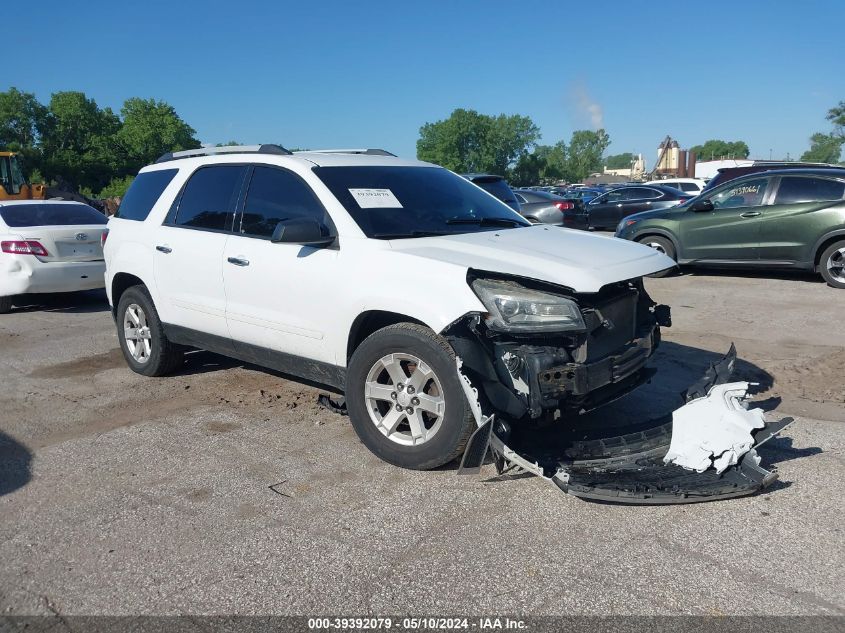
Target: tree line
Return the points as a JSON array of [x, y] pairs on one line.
[[507, 145], [73, 142]]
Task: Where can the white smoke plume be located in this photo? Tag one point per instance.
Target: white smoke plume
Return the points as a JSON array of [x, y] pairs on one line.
[[586, 108]]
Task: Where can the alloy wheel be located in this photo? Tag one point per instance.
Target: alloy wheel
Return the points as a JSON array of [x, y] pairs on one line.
[[836, 265], [136, 333], [405, 399]]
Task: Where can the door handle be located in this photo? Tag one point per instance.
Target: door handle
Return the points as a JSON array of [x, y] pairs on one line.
[[164, 249], [238, 261], [749, 214]]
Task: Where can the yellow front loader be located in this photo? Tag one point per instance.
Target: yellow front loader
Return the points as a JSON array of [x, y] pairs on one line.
[[13, 185]]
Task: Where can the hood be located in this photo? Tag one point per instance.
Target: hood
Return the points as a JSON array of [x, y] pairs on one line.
[[582, 261], [658, 214]]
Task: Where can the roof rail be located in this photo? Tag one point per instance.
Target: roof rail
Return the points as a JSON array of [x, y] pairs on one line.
[[368, 152], [226, 149]]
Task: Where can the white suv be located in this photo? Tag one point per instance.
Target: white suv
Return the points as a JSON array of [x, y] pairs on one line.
[[369, 274]]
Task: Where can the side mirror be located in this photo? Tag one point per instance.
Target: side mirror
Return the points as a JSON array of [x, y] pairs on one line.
[[701, 206], [304, 231]]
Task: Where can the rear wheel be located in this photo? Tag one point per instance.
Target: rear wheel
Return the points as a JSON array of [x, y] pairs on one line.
[[405, 400], [5, 305], [145, 347], [832, 264], [662, 245]]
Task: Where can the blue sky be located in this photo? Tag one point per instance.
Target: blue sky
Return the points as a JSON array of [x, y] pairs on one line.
[[354, 74]]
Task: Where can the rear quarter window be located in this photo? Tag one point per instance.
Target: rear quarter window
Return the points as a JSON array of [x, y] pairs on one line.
[[795, 189], [143, 193]]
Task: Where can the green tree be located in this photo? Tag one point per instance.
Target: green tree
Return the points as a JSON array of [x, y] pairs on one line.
[[78, 141], [584, 155], [836, 115], [117, 187], [715, 149], [151, 128], [824, 148], [228, 144], [471, 142], [22, 119], [619, 161]]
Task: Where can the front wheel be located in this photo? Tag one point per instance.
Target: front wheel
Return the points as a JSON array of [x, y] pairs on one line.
[[405, 400], [5, 305], [661, 245], [832, 265], [145, 347]]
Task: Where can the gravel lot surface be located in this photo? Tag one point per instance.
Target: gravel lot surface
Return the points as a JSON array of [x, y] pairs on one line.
[[226, 489]]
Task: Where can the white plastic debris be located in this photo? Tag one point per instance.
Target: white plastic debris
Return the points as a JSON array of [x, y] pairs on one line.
[[714, 431]]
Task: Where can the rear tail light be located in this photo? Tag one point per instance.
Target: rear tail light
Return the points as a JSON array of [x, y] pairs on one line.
[[104, 237], [565, 206], [24, 247]]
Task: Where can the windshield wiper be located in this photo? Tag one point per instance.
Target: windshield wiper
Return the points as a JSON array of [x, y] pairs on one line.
[[486, 221], [409, 234]]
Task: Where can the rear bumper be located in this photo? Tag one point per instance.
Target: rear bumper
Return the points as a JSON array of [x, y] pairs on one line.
[[24, 274]]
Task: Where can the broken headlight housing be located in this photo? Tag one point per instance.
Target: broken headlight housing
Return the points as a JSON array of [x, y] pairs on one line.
[[515, 308]]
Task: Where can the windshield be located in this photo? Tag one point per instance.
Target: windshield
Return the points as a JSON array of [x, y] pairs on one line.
[[395, 202], [18, 215]]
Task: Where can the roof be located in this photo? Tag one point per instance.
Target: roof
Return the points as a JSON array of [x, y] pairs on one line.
[[480, 175], [308, 159], [834, 172]]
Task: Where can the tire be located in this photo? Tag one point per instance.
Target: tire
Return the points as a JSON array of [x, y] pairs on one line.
[[665, 246], [151, 355], [423, 439], [831, 264], [5, 305]]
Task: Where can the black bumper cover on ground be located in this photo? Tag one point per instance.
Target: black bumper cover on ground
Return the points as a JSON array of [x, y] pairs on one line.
[[627, 469]]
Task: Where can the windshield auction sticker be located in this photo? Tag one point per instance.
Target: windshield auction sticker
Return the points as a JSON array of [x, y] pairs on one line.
[[375, 199]]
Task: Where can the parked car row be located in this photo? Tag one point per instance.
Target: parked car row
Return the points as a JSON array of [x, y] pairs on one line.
[[604, 212], [786, 218]]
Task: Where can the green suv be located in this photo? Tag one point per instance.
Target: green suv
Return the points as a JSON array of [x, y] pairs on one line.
[[789, 218]]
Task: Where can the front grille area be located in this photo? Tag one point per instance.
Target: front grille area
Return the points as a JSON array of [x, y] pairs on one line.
[[615, 319]]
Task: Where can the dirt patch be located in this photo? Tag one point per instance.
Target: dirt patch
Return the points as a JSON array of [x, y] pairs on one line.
[[83, 366], [817, 380], [222, 427]]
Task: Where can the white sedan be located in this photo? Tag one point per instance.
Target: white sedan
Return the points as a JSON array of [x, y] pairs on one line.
[[49, 246]]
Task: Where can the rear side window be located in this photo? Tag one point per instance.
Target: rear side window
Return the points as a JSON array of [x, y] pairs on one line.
[[143, 193], [50, 215], [794, 189], [688, 187], [496, 187], [208, 200], [276, 195]]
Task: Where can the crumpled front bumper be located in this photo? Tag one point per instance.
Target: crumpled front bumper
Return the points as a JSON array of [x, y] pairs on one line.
[[705, 450]]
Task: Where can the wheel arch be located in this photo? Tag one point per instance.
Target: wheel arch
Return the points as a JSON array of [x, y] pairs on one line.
[[121, 282], [823, 243], [371, 321], [648, 232]]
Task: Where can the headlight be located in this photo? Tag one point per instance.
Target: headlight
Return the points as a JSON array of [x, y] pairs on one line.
[[624, 224], [514, 308]]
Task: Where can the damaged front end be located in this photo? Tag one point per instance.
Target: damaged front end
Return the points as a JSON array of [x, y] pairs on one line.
[[524, 388], [579, 351]]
